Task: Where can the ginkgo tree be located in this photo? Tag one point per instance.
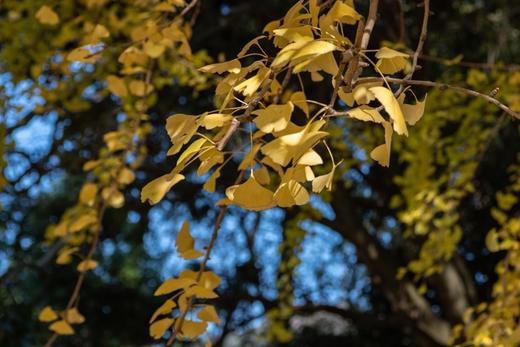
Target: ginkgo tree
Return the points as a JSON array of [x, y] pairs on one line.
[[283, 145]]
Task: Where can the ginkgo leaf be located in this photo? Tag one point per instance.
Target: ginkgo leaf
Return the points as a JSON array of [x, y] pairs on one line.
[[343, 13], [64, 256], [173, 284], [250, 195], [153, 49], [300, 50], [194, 148], [381, 153], [215, 120], [392, 107], [73, 316], [88, 194], [412, 113], [185, 243], [292, 146], [165, 308], [324, 181], [274, 117], [180, 128], [232, 66], [154, 191], [140, 88], [82, 55], [46, 15], [391, 61], [366, 114], [61, 327], [201, 292], [47, 314], [298, 173], [82, 222], [300, 100], [211, 182], [249, 158], [117, 86], [87, 264], [262, 175], [363, 95], [290, 194], [209, 280], [191, 330], [158, 328], [125, 176], [113, 197], [248, 45], [209, 314], [209, 158], [324, 62], [251, 85]]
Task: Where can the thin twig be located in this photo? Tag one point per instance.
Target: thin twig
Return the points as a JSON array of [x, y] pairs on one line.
[[420, 44], [441, 86], [361, 44], [235, 123]]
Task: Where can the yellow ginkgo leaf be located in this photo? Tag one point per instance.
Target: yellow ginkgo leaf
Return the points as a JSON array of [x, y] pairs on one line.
[[291, 193], [292, 146], [47, 315], [392, 107], [201, 292], [324, 181], [154, 191], [209, 280], [174, 284], [209, 314], [211, 182], [191, 330], [185, 243], [324, 62], [87, 264], [232, 66], [180, 128], [158, 328], [251, 85], [165, 308], [82, 222], [262, 175], [140, 88], [64, 256], [117, 86], [73, 316], [215, 120], [302, 49], [125, 176], [343, 13], [88, 194], [391, 61], [250, 195], [310, 158], [249, 158], [381, 153], [82, 55], [46, 15], [300, 100], [61, 328], [273, 118], [366, 114], [153, 49], [412, 113]]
